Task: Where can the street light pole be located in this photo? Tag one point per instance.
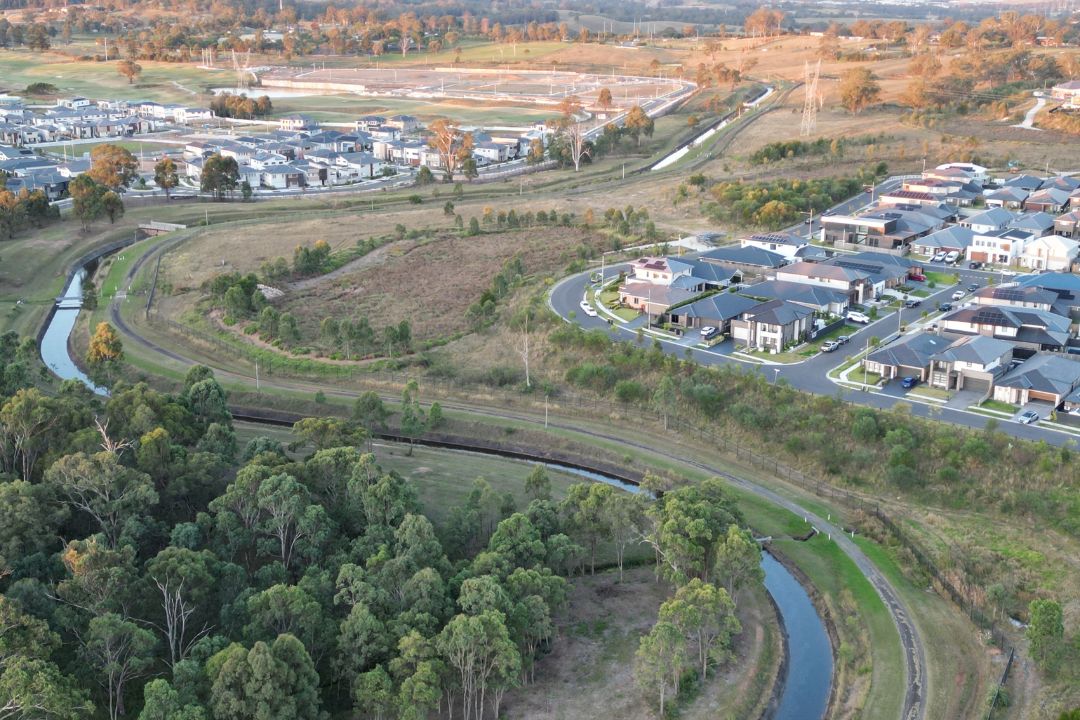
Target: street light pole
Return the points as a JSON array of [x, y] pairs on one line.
[[775, 373]]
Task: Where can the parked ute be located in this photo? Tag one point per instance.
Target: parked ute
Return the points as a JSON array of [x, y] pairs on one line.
[[856, 316]]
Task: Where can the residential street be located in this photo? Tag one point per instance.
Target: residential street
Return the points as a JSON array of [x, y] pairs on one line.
[[811, 375]]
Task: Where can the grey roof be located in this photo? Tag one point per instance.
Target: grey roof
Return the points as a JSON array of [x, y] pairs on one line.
[[997, 217], [778, 312], [801, 293], [953, 237], [975, 349], [1037, 221], [713, 272], [1044, 372], [1027, 182], [1009, 194], [1053, 195], [745, 256], [719, 307], [1061, 283], [811, 252], [1062, 182], [779, 238], [1032, 325], [911, 350], [1018, 293]]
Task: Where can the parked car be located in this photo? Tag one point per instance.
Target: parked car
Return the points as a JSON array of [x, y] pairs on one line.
[[917, 277], [909, 382], [709, 332], [939, 256], [829, 346], [952, 257], [912, 303], [843, 339], [1008, 273], [1028, 417], [945, 307], [856, 316], [973, 287], [587, 309], [958, 295], [975, 265]]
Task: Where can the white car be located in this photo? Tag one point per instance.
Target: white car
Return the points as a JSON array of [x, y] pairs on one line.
[[958, 295], [952, 257], [856, 316], [708, 332], [939, 256], [1008, 273], [587, 309]]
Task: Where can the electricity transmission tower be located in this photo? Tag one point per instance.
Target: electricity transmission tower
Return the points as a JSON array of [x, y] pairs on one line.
[[241, 61], [810, 105]]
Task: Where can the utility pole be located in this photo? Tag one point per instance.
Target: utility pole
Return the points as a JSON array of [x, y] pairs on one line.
[[256, 375]]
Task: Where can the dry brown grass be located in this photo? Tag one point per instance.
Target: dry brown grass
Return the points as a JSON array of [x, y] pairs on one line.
[[432, 283]]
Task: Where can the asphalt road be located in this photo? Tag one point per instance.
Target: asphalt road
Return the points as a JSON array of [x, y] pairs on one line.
[[812, 374]]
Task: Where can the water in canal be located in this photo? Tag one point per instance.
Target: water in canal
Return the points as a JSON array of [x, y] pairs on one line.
[[54, 343]]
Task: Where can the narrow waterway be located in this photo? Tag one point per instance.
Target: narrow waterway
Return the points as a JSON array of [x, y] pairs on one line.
[[807, 681], [54, 342]]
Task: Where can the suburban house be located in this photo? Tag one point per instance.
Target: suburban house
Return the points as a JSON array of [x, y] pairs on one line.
[[978, 173], [854, 284], [1010, 198], [1061, 182], [817, 298], [753, 260], [988, 220], [1036, 223], [652, 298], [955, 238], [1014, 295], [1068, 225], [773, 326], [1044, 377], [970, 363], [1068, 93], [1028, 329], [1051, 252], [713, 311], [781, 243], [658, 270], [891, 230], [1051, 200], [998, 246], [295, 123], [908, 356], [1025, 182]]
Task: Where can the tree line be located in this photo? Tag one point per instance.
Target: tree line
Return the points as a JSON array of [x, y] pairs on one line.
[[152, 567]]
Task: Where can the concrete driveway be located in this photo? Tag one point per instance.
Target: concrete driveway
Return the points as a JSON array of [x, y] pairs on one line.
[[1041, 407], [963, 399]]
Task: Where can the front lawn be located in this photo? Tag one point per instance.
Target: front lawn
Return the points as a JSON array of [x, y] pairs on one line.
[[931, 392], [940, 278], [1000, 406]]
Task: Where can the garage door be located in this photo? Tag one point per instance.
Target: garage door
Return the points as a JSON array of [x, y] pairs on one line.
[[1038, 395], [976, 384]]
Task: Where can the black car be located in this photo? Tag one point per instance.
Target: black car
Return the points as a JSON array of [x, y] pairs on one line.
[[945, 306], [973, 287], [912, 303], [974, 265]]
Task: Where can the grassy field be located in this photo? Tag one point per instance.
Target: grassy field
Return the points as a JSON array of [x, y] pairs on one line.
[[347, 108]]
